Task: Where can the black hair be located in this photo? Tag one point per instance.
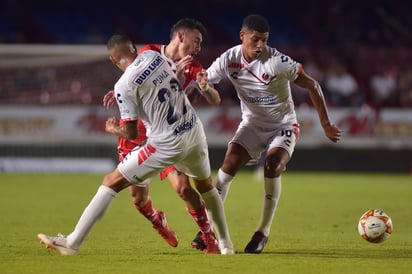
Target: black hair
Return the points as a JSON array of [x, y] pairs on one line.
[[256, 22], [118, 39], [188, 23]]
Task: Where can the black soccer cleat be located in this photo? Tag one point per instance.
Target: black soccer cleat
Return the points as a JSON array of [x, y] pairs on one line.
[[197, 242], [257, 243]]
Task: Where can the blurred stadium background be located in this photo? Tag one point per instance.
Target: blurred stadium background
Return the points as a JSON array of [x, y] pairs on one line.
[[54, 72]]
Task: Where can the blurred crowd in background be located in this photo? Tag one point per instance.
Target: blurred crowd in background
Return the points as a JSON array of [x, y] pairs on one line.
[[360, 51]]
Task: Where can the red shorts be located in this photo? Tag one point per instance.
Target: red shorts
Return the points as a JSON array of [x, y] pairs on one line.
[[166, 171]]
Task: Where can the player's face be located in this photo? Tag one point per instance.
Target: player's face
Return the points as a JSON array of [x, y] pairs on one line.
[[121, 55], [116, 59], [253, 43], [191, 41]]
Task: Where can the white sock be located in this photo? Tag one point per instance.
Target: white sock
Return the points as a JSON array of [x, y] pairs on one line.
[[222, 183], [217, 217], [91, 214], [270, 201]]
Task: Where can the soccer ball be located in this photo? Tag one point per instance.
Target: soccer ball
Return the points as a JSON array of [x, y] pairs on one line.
[[375, 226]]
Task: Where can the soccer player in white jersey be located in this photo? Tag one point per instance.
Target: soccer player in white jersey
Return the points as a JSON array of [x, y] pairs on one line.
[[149, 90], [186, 37], [261, 76]]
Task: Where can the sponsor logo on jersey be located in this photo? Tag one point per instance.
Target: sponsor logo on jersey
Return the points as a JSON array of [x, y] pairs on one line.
[[153, 66], [267, 100], [159, 79], [236, 65], [188, 125]]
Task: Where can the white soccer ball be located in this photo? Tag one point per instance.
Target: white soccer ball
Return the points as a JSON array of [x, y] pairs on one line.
[[375, 226]]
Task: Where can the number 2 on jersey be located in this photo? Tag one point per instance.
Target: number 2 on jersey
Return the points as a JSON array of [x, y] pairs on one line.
[[165, 95]]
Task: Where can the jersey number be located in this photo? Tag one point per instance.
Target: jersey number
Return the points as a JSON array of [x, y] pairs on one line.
[[165, 95]]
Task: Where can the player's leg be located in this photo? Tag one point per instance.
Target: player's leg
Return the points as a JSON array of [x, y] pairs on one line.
[[236, 157], [278, 155], [143, 203], [197, 165], [216, 212], [274, 165], [241, 149], [126, 173], [112, 184], [194, 204]]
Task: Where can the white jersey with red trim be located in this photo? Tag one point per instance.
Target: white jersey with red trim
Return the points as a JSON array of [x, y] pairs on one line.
[[263, 86], [149, 90]]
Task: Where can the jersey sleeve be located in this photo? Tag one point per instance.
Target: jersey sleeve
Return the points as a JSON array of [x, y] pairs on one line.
[[216, 71], [288, 67], [126, 101]]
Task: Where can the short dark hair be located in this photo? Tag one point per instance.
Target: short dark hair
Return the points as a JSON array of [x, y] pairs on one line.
[[256, 22], [188, 23], [118, 39]]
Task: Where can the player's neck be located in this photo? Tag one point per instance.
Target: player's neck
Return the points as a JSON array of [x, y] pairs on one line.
[[172, 52]]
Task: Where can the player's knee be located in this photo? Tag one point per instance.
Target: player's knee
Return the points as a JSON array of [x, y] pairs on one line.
[[273, 168], [185, 192], [139, 198], [138, 202]]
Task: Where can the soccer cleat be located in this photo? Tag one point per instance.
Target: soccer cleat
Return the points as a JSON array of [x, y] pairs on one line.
[[197, 242], [226, 248], [257, 243], [163, 229], [227, 251], [58, 243], [209, 239]]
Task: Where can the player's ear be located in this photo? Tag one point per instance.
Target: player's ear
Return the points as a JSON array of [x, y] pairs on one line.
[[241, 35], [181, 35], [112, 59]]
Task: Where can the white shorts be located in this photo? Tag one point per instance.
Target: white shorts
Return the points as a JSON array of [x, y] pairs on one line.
[[147, 161], [257, 139]]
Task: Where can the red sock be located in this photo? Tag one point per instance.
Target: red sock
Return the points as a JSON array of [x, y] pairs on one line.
[[200, 218], [148, 211]]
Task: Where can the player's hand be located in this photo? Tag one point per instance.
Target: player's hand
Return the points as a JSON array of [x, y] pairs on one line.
[[180, 67], [201, 78], [111, 124], [109, 100], [332, 132]]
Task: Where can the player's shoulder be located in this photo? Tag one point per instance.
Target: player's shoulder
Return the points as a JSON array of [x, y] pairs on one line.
[[277, 56], [154, 47], [273, 52], [146, 59], [233, 51], [196, 64], [232, 54]]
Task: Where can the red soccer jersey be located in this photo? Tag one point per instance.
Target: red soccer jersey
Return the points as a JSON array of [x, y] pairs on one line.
[[124, 146]]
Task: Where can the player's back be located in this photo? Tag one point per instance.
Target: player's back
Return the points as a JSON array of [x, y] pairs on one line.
[[159, 99]]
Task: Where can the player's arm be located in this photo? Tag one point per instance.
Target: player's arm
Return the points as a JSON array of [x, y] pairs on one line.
[[207, 90], [318, 100], [108, 100], [128, 130]]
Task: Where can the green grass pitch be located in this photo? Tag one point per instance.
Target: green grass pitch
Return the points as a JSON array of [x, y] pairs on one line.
[[314, 230]]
